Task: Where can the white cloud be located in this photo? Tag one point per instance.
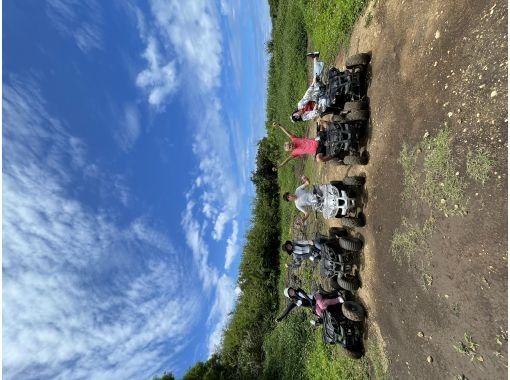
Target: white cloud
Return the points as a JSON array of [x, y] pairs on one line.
[[232, 246], [159, 79], [219, 315], [80, 20], [131, 129], [75, 288]]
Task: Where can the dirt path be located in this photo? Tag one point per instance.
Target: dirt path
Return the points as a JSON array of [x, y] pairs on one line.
[[436, 64]]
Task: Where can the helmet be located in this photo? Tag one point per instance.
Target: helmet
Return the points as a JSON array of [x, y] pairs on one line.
[[286, 292]]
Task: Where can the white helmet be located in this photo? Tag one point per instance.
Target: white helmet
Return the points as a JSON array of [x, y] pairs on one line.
[[286, 292]]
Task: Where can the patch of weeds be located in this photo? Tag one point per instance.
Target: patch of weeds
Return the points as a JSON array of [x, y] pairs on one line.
[[368, 19], [442, 188], [409, 239], [468, 348], [407, 159], [479, 165], [427, 280], [376, 359], [502, 337]]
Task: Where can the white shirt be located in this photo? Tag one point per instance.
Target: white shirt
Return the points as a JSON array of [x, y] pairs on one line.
[[304, 198]]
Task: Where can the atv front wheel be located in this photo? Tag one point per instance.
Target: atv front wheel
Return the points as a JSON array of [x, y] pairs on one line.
[[357, 60], [353, 311], [350, 283], [353, 222], [357, 115]]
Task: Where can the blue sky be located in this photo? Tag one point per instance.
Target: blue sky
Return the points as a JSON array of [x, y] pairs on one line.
[[129, 134]]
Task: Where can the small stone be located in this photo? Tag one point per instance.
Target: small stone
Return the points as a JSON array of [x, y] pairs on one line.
[[493, 93], [455, 207], [420, 334], [477, 115], [481, 86], [479, 358], [438, 34], [429, 359], [457, 173], [435, 64], [476, 194], [464, 130], [446, 296], [450, 113], [426, 135], [443, 201]]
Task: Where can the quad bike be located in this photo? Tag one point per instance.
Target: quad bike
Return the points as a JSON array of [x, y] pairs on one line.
[[338, 259], [342, 138], [346, 90], [344, 326], [339, 199]]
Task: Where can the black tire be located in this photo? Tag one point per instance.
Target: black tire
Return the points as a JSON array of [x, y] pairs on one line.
[[356, 105], [336, 232], [350, 244], [353, 311], [357, 60], [354, 181], [357, 115], [354, 160], [348, 283], [352, 222], [355, 354]]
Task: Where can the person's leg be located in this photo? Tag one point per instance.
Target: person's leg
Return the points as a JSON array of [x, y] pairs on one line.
[[323, 158], [318, 66]]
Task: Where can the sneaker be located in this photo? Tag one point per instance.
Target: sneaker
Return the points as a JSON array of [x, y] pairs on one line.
[[314, 54]]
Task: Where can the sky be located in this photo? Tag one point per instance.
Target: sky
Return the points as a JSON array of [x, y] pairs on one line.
[[129, 131]]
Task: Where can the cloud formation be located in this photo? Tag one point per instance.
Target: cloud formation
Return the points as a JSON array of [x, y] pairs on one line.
[[71, 292]]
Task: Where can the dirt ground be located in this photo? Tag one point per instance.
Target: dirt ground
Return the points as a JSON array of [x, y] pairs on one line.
[[436, 64]]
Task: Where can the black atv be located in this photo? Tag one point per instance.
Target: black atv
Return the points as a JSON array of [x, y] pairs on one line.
[[344, 326], [338, 258], [347, 89], [343, 137]]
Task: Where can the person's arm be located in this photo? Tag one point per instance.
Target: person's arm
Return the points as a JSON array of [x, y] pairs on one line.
[[289, 135], [305, 180], [310, 115], [307, 96], [290, 306], [283, 163]]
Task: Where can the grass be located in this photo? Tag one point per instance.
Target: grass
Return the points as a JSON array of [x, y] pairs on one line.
[[368, 19], [468, 348], [408, 158], [329, 23], [377, 359], [409, 239], [443, 188], [479, 166]]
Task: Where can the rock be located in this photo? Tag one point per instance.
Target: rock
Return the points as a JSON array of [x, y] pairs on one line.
[[426, 135], [450, 113], [493, 93], [430, 359], [443, 201], [438, 34], [420, 334], [435, 64], [457, 173]]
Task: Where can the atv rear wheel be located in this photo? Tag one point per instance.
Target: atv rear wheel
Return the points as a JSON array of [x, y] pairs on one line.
[[353, 354], [350, 244], [353, 311], [350, 283], [357, 115], [336, 232], [356, 105], [357, 59], [354, 180], [352, 222]]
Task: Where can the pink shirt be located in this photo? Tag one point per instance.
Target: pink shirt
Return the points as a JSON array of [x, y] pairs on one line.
[[303, 145]]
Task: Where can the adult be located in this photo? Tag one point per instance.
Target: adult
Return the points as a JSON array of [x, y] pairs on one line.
[[302, 198], [313, 101], [301, 146], [302, 250]]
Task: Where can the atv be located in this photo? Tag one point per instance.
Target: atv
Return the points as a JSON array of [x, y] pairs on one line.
[[344, 326], [340, 199], [338, 258], [342, 138], [346, 90]]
